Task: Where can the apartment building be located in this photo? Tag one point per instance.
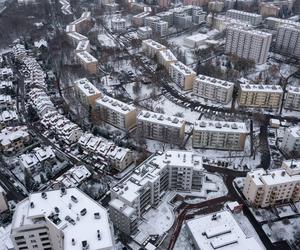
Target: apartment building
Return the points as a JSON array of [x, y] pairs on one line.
[[139, 19], [151, 48], [117, 113], [158, 26], [260, 96], [86, 92], [252, 18], [268, 10], [292, 98], [249, 44], [83, 23], [8, 118], [219, 135], [288, 40], [266, 188], [161, 127], [75, 38], [89, 63], [166, 16], [118, 23], [83, 46], [292, 167], [291, 141], [275, 23], [144, 188], [221, 22], [144, 32], [62, 220], [182, 75], [166, 57], [13, 139], [213, 89], [220, 231], [123, 217]]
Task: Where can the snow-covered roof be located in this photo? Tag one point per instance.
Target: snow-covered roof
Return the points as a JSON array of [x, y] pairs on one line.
[[292, 167], [294, 131], [242, 13], [293, 90], [5, 99], [115, 105], [142, 14], [214, 81], [77, 36], [246, 29], [11, 134], [162, 119], [74, 176], [83, 45], [220, 231], [149, 171], [167, 55], [28, 160], [86, 87], [153, 44], [54, 206], [279, 176], [261, 88], [122, 207], [182, 68], [86, 57], [8, 115], [221, 126], [45, 153]]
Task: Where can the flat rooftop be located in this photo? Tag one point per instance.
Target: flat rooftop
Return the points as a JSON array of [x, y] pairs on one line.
[[86, 57], [86, 87], [182, 68], [220, 231], [116, 105], [222, 126], [166, 120], [214, 81], [261, 88], [55, 207]]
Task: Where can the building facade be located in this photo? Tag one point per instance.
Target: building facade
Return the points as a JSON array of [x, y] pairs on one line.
[[161, 127], [87, 92], [219, 135], [182, 75], [252, 18], [292, 98], [249, 44], [213, 89], [117, 113], [291, 141], [260, 96], [263, 189]]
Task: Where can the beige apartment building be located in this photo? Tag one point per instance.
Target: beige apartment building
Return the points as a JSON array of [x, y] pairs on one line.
[[117, 113], [260, 96], [267, 188], [87, 92], [89, 63], [219, 135], [213, 89], [182, 75], [161, 127]]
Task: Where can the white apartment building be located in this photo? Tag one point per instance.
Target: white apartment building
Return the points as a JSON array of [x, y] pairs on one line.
[[172, 170], [275, 23], [166, 57], [292, 167], [260, 96], [88, 62], [117, 113], [213, 89], [139, 19], [75, 38], [83, 23], [157, 25], [83, 46], [182, 75], [291, 141], [288, 40], [62, 220], [13, 139], [161, 127], [118, 23], [252, 18], [144, 32], [219, 135], [151, 47], [124, 217], [292, 98], [263, 189], [220, 231], [87, 92], [249, 44]]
